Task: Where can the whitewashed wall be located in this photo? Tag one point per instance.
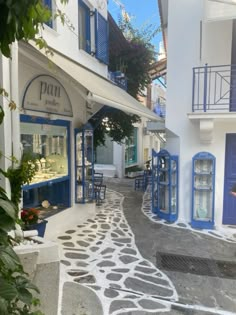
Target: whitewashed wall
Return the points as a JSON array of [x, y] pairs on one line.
[[66, 40], [185, 51]]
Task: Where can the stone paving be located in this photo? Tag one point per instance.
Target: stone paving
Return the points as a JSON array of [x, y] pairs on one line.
[[147, 210], [101, 254]]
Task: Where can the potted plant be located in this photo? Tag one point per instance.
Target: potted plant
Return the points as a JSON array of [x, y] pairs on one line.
[[31, 221]]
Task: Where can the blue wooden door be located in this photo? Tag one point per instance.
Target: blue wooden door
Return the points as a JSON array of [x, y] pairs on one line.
[[229, 213]]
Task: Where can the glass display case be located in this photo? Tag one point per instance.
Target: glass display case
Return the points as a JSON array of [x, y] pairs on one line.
[[165, 185], [154, 180], [84, 169], [203, 190], [47, 142]]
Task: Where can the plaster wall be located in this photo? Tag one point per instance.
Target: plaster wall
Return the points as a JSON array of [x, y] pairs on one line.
[[217, 43], [181, 59], [65, 38], [214, 48]]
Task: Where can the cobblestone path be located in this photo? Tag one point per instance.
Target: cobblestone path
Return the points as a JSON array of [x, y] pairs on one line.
[[101, 254]]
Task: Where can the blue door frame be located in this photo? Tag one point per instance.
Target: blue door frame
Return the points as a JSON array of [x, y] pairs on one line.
[[229, 212]]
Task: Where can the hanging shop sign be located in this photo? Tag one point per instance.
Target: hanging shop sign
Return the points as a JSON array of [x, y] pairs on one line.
[[46, 94]]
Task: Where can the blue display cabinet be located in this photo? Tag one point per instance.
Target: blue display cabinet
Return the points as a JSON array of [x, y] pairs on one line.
[[203, 190], [84, 167], [165, 185]]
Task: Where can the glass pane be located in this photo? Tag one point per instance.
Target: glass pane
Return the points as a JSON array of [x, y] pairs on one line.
[[48, 144], [164, 198], [131, 149], [82, 28], [202, 205], [203, 166]]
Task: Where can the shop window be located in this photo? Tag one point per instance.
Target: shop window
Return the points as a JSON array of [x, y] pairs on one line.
[[48, 4], [84, 27], [131, 149], [48, 144]]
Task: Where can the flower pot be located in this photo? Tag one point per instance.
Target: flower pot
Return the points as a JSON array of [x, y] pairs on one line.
[[40, 227]]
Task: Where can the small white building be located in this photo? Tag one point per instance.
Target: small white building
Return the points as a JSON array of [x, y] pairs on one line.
[[200, 42]]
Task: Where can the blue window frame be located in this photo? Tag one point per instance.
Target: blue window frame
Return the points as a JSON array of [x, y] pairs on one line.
[[101, 38], [84, 27], [48, 140], [48, 4], [131, 148]]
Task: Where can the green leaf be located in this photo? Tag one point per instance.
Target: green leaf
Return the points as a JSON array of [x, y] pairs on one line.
[[7, 290], [3, 307], [8, 207], [25, 296], [6, 223], [9, 258], [23, 282], [1, 114]]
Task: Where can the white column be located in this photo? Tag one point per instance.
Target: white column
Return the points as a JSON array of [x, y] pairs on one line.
[[5, 127], [15, 114]]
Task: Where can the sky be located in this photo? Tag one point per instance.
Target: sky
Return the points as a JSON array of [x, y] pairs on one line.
[[141, 11]]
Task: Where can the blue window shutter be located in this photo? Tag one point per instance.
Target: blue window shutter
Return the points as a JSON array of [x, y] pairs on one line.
[[48, 4], [101, 32]]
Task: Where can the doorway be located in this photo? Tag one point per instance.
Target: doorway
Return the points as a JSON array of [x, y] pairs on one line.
[[229, 212]]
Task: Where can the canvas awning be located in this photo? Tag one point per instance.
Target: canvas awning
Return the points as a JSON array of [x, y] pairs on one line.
[[100, 89]]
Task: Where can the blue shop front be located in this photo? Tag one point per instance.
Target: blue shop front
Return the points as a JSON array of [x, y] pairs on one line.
[[47, 140]]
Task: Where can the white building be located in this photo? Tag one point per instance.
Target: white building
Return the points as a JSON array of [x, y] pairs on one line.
[[200, 40], [56, 97]]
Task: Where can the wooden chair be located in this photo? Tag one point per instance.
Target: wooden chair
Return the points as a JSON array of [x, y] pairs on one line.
[[99, 188]]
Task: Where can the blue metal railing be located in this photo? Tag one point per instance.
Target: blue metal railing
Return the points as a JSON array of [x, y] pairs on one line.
[[119, 79], [214, 88]]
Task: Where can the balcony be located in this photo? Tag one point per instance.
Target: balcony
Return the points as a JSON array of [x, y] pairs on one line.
[[119, 79], [214, 89], [213, 97]]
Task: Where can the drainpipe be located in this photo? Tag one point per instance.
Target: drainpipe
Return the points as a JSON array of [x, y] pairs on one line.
[[15, 114]]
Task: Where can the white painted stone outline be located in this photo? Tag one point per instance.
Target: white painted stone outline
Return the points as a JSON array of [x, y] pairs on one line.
[[113, 208], [224, 234]]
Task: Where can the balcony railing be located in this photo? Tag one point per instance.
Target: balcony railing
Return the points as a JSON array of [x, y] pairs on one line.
[[119, 79], [214, 89]]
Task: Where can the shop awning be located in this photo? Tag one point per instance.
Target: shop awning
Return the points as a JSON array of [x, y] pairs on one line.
[[100, 89]]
